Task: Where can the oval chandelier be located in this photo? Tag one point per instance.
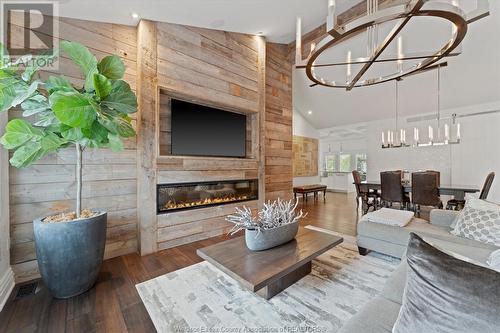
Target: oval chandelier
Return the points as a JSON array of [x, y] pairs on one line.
[[359, 71]]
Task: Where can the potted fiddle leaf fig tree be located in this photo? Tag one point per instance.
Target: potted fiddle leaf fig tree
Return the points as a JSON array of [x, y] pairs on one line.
[[69, 245]]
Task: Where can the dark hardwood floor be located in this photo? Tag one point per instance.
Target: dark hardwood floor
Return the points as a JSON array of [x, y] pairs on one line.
[[113, 305]]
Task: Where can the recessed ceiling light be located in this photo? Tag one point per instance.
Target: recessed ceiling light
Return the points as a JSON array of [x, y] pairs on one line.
[[309, 112], [135, 16]]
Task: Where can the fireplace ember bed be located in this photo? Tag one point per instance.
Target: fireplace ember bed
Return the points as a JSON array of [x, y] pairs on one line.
[[183, 196]]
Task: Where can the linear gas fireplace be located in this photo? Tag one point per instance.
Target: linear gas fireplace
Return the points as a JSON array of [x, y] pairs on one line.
[[175, 197]]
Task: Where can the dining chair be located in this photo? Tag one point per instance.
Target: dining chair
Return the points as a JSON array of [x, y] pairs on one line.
[[425, 190], [456, 204], [392, 189], [368, 198]]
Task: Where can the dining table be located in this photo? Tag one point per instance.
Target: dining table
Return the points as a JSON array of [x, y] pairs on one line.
[[458, 191]]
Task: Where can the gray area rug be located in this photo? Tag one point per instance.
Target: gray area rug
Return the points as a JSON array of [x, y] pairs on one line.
[[200, 298]]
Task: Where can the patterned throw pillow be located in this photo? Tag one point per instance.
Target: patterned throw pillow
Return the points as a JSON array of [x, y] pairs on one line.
[[480, 221]]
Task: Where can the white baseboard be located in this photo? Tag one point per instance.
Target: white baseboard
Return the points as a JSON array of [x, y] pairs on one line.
[[6, 286]]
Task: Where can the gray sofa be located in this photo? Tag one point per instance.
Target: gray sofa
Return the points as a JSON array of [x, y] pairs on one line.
[[380, 313]]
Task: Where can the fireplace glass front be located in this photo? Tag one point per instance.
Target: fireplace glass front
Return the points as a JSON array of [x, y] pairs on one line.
[[175, 197]]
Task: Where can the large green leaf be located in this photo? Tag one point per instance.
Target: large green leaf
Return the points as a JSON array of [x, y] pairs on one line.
[[48, 120], [121, 98], [14, 91], [97, 135], [51, 142], [124, 128], [35, 64], [73, 134], [7, 96], [102, 86], [84, 59], [72, 109], [58, 83], [111, 67], [117, 125], [24, 91], [18, 132], [4, 55], [115, 143], [35, 104], [27, 154]]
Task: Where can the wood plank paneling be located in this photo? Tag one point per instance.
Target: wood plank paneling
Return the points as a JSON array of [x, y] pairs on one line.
[[147, 145], [218, 69], [278, 122], [109, 177], [210, 65]]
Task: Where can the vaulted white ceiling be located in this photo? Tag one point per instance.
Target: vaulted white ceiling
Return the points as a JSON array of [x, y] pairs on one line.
[[471, 78], [274, 18]]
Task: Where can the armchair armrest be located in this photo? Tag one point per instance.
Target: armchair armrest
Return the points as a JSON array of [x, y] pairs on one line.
[[443, 218]]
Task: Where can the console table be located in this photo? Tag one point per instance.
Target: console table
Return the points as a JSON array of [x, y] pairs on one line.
[[306, 189]]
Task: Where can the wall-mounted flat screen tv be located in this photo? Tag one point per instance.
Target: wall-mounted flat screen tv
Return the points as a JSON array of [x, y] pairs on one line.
[[199, 130]]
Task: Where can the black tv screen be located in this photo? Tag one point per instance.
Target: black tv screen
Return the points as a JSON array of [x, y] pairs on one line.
[[204, 131]]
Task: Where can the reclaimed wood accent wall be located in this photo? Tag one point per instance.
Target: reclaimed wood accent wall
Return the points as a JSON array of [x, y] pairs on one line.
[[213, 68], [109, 178], [305, 156], [278, 122], [232, 71]]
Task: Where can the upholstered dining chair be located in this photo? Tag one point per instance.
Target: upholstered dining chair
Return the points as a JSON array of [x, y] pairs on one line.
[[455, 204], [392, 189], [368, 199], [425, 190]]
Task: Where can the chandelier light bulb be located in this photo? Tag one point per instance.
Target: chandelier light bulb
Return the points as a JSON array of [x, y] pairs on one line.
[[298, 40]]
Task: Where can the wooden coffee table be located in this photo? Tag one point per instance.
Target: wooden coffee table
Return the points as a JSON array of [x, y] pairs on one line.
[[271, 271]]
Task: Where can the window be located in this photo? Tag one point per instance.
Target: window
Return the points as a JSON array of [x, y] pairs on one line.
[[361, 165], [345, 163], [330, 163]]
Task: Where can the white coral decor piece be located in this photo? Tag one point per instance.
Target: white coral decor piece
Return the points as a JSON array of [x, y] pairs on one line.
[[273, 215]]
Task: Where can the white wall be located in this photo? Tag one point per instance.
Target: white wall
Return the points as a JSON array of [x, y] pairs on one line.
[[467, 163], [302, 127], [6, 275], [340, 182]]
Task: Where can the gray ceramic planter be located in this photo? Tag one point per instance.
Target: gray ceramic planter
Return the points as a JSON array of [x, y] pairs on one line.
[[267, 239], [70, 254]]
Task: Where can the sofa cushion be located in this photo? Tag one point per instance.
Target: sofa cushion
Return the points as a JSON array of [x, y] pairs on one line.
[[376, 316], [445, 294], [399, 235]]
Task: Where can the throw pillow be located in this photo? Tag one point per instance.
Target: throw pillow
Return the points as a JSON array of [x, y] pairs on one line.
[[447, 295], [480, 221]]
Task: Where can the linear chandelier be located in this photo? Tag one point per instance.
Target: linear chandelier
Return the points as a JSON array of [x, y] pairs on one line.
[[393, 141], [377, 53]]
